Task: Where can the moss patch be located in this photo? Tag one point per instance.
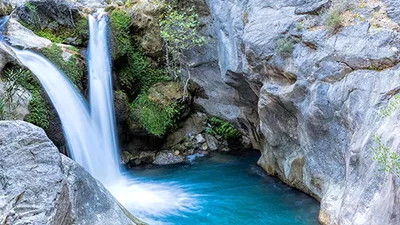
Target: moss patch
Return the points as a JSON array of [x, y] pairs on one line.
[[135, 73], [73, 68], [154, 117]]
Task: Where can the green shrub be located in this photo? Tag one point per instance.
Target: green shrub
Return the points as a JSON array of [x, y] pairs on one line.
[[331, 17], [120, 22], [179, 31], [223, 128], [387, 160], [134, 72], [284, 47], [38, 106], [392, 106], [38, 110], [299, 26], [154, 117], [332, 20]]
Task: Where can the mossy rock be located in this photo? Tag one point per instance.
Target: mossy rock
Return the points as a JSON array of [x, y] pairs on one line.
[[57, 21], [121, 105], [166, 92]]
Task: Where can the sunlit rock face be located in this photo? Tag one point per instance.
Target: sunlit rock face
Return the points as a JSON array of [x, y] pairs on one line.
[[318, 106], [40, 186]]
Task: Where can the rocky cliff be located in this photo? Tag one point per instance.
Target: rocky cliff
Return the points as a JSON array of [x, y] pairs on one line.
[[317, 93], [40, 186]]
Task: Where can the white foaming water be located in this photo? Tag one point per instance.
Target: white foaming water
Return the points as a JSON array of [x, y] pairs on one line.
[[90, 131]]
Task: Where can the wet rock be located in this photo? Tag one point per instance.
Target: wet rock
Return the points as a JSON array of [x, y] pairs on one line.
[[167, 158], [200, 139], [146, 26], [212, 142], [393, 9], [188, 128], [122, 107], [167, 93], [30, 164], [204, 146]]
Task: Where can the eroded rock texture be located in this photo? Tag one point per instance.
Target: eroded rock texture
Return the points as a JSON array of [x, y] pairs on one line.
[[317, 105], [39, 186]]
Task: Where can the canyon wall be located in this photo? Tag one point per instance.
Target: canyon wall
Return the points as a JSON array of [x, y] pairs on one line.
[[317, 103]]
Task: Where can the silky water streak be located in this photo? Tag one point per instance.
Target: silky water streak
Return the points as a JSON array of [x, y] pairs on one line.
[[90, 128]]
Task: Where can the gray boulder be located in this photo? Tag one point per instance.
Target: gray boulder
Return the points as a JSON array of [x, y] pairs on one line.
[[40, 186], [18, 35]]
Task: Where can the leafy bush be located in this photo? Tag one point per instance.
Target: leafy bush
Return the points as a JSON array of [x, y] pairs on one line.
[[120, 23], [331, 17], [284, 47], [179, 31], [134, 73], [332, 20], [38, 110], [223, 128], [154, 117], [38, 106], [388, 161]]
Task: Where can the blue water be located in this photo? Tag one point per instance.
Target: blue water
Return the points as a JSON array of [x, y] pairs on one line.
[[222, 189]]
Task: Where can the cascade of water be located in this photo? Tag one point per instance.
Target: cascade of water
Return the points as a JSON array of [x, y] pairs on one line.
[[90, 134], [90, 128]]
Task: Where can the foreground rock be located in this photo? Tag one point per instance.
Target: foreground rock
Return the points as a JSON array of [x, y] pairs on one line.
[[40, 186]]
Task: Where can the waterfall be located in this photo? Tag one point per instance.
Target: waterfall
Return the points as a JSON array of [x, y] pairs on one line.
[[89, 131], [90, 128]]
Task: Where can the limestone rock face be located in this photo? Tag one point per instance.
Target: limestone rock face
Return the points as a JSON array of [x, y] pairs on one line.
[[18, 35], [317, 108], [39, 186]]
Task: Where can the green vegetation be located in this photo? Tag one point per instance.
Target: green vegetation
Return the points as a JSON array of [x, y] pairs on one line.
[[332, 20], [392, 106], [179, 31], [38, 110], [55, 32], [284, 47], [299, 26], [223, 128], [331, 17], [2, 109], [135, 73], [73, 68], [38, 106], [388, 161], [154, 117]]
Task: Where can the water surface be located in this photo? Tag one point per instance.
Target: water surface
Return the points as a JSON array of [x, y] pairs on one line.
[[221, 189]]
